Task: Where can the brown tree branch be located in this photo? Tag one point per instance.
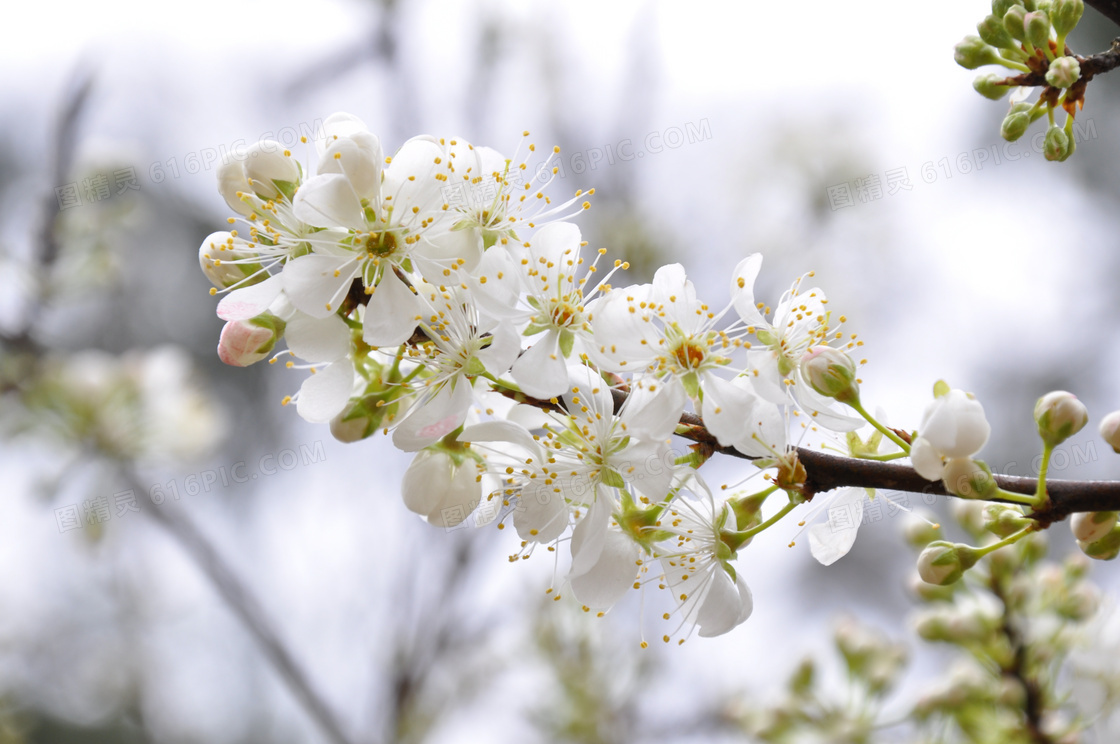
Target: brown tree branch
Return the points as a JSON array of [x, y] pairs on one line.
[[825, 472], [1110, 9]]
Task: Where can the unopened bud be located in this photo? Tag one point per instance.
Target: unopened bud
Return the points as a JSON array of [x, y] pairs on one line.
[[968, 478], [1065, 14], [1056, 147], [245, 342], [1000, 7], [972, 52], [360, 419], [1059, 416], [1003, 520], [1036, 25], [1104, 549], [930, 592], [1063, 72], [1014, 21], [991, 86], [944, 562], [1092, 526], [1014, 125], [832, 373], [1110, 430], [992, 32], [1080, 603]]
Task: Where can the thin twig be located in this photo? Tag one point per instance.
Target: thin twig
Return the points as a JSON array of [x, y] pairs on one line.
[[245, 606]]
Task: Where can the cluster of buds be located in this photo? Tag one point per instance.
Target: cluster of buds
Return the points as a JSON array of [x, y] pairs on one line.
[[1029, 38], [1014, 622]]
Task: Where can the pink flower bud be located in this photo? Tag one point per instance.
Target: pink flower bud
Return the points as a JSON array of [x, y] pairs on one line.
[[245, 342]]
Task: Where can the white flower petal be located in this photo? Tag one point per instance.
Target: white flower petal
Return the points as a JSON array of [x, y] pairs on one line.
[[925, 459], [612, 575], [504, 346], [318, 339], [317, 284], [590, 534], [391, 314], [329, 201], [742, 291], [501, 431], [435, 418], [249, 302], [727, 603], [726, 408], [358, 158], [541, 514], [541, 371], [324, 394], [654, 414], [831, 540]]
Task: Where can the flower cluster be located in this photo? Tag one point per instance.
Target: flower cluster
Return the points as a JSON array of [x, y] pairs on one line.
[[440, 295], [1029, 37]]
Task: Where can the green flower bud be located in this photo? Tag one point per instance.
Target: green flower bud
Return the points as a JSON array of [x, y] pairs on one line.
[[1037, 27], [973, 52], [931, 625], [1076, 566], [1003, 520], [1104, 549], [1063, 72], [1056, 145], [1080, 603], [944, 562], [801, 683], [1014, 125], [1000, 7], [363, 416], [1107, 548], [832, 373], [991, 86], [1092, 526], [1110, 430], [931, 593], [968, 478], [1034, 547], [969, 515], [991, 30], [1014, 21], [1059, 414], [1065, 14]]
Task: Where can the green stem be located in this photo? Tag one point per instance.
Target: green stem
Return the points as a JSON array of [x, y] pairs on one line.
[[858, 407], [1017, 498], [1009, 540], [747, 534], [1014, 65], [1041, 497], [883, 458]]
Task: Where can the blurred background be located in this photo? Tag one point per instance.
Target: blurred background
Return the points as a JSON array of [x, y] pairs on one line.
[[283, 585]]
